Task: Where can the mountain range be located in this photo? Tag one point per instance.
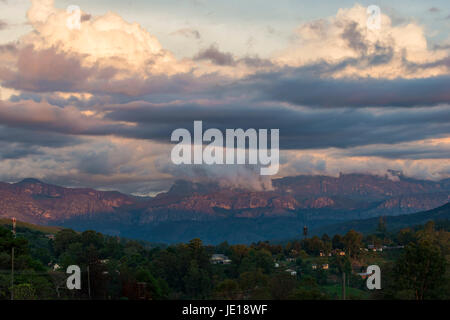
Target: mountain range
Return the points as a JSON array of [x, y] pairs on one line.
[[216, 213], [392, 223]]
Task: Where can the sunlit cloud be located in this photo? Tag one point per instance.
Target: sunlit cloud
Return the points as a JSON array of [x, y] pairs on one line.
[[95, 106]]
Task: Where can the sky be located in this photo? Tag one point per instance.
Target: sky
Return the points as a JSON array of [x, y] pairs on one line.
[[95, 106]]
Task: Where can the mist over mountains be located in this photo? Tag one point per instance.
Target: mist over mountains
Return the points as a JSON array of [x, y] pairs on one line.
[[215, 213]]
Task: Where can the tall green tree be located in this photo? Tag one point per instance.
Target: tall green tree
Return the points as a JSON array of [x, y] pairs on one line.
[[421, 269], [352, 243]]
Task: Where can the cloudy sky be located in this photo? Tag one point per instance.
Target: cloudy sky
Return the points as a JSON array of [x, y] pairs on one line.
[[95, 106]]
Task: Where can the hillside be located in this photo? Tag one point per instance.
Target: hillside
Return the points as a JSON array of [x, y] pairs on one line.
[[217, 213], [393, 223], [34, 227]]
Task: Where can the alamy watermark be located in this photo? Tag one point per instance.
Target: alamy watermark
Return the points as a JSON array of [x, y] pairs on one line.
[[374, 18], [191, 151], [73, 21], [74, 280], [374, 277]]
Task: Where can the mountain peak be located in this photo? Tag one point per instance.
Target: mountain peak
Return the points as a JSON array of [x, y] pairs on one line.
[[31, 180]]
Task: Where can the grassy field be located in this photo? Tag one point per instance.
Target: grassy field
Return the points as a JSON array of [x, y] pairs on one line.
[[44, 229], [335, 291]]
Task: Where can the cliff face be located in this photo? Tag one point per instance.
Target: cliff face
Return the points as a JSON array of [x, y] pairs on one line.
[[365, 195], [33, 201], [355, 186]]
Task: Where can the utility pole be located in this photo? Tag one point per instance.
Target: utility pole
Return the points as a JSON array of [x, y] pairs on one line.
[[343, 285], [89, 283], [12, 257]]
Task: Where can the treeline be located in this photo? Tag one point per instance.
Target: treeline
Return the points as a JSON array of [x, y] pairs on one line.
[[414, 264]]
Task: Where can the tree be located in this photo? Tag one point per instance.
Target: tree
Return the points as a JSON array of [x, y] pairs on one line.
[[381, 228], [281, 286], [326, 243], [405, 236], [257, 259], [91, 238], [239, 252], [197, 282], [338, 242], [228, 289], [421, 268], [326, 238], [313, 245], [64, 239], [198, 253], [153, 286], [249, 282], [341, 264], [353, 242], [307, 290]]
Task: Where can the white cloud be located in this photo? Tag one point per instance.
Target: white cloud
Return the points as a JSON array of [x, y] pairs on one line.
[[106, 41], [346, 36]]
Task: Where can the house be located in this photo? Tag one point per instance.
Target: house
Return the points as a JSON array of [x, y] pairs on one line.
[[374, 248], [50, 236], [321, 254], [291, 272], [220, 259], [393, 247], [277, 265], [325, 266], [363, 275], [338, 252], [314, 266]]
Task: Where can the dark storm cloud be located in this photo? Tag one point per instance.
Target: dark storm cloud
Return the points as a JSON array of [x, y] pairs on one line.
[[216, 56], [95, 162], [45, 70], [409, 151], [46, 118], [48, 71], [303, 88], [354, 38], [30, 137], [16, 143], [311, 109], [300, 128], [17, 151], [444, 62]]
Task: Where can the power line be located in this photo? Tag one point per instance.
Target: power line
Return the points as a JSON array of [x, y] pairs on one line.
[[12, 257]]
